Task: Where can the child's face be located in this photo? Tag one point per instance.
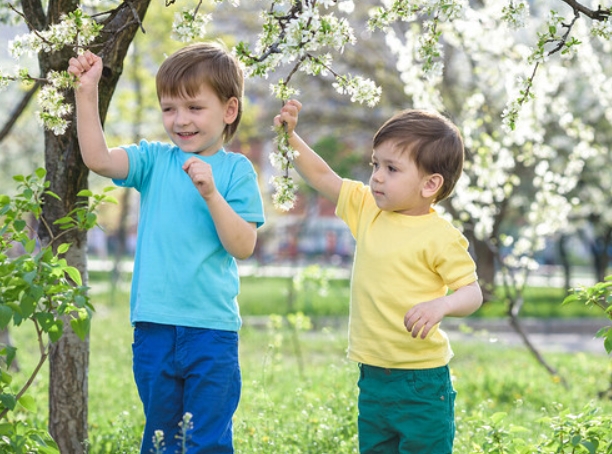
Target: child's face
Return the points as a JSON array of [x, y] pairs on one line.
[[196, 125], [396, 182]]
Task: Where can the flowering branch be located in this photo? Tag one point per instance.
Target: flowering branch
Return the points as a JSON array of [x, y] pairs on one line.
[[299, 33], [562, 43], [75, 29]]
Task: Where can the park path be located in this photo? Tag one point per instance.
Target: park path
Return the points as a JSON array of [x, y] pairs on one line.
[[548, 335]]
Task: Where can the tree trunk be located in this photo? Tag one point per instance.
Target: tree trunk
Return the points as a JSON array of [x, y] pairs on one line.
[[565, 263], [67, 175], [485, 262], [68, 357]]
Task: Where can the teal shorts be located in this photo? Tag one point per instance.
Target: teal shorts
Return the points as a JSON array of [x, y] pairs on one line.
[[406, 411]]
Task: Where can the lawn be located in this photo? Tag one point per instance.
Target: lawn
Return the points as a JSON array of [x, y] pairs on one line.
[[299, 393], [261, 296]]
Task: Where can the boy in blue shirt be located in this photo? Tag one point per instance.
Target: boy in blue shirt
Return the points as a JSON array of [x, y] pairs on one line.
[[200, 209]]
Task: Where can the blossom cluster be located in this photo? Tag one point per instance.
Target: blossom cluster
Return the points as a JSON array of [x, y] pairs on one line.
[[189, 25], [51, 100], [515, 14], [75, 29], [302, 37], [603, 29]]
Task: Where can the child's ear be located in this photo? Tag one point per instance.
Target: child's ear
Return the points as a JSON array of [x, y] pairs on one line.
[[432, 185], [231, 111]]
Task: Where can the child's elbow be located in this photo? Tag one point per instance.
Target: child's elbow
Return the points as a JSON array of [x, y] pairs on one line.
[[246, 248], [243, 255]]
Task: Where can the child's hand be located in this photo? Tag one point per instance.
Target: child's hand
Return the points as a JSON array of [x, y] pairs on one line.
[[289, 115], [87, 68], [201, 175], [424, 316]]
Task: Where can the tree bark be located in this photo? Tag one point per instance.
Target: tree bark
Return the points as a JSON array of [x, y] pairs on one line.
[[565, 263], [67, 175], [68, 357]]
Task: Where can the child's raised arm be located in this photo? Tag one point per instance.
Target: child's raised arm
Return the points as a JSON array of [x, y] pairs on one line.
[[96, 155], [315, 171]]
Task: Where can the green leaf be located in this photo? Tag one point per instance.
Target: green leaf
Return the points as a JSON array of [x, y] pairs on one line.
[[64, 220], [85, 193], [10, 353], [8, 400], [6, 429], [6, 314], [74, 274], [45, 319], [53, 194], [63, 248], [5, 377], [53, 449], [575, 440], [28, 403], [81, 324], [27, 306], [608, 343], [570, 299], [590, 446], [30, 246], [40, 173], [56, 331], [19, 224], [110, 199], [499, 416]]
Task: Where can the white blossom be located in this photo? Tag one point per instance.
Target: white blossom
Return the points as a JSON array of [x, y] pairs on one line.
[[188, 26]]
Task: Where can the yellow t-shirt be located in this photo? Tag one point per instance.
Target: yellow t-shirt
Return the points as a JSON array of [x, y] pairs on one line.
[[399, 261]]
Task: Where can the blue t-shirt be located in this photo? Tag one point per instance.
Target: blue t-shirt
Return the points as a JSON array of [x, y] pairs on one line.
[[182, 274]]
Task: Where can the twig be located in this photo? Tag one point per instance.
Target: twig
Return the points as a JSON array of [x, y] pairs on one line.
[[44, 353], [8, 126]]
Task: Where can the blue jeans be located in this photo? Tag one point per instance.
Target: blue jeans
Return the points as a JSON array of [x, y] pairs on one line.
[[182, 370]]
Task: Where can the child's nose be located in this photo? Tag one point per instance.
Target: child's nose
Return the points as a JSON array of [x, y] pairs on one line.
[[376, 175], [181, 117]]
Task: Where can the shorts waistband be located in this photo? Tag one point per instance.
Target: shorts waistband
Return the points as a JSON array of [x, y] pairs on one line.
[[385, 372]]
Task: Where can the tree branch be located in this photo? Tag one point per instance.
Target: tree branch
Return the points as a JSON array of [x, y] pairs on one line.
[[598, 14], [35, 14], [18, 111]]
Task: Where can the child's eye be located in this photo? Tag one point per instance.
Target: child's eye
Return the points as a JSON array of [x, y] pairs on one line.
[[374, 165], [196, 108], [392, 169]]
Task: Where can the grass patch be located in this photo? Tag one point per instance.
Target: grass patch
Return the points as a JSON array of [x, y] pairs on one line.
[[540, 302], [301, 398], [275, 295]]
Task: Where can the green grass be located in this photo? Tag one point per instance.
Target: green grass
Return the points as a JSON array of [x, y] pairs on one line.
[[299, 390], [271, 295], [300, 397], [260, 296]]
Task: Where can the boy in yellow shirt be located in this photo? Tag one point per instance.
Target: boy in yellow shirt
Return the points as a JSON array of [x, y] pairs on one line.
[[407, 257]]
